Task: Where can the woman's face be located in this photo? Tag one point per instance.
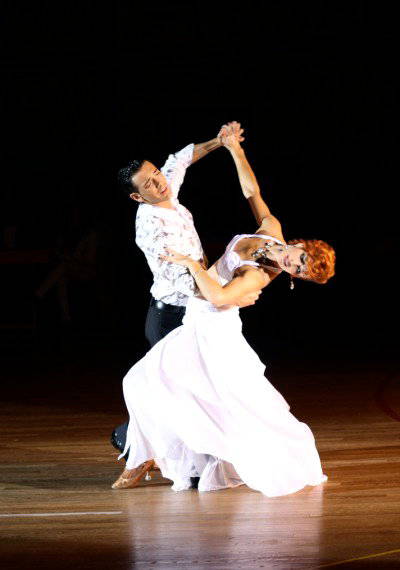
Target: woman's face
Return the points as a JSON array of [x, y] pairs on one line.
[[291, 259]]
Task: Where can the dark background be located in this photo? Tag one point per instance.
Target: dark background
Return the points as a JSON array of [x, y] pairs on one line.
[[85, 89]]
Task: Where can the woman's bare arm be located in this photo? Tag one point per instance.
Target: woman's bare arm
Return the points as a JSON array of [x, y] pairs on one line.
[[250, 188], [249, 280], [251, 191]]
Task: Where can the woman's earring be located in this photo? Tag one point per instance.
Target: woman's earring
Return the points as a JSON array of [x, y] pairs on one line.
[[291, 283]]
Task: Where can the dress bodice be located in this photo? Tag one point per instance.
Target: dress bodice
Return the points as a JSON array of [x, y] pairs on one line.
[[225, 268], [230, 260]]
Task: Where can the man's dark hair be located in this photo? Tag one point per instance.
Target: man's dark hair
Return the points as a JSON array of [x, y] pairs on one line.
[[125, 176]]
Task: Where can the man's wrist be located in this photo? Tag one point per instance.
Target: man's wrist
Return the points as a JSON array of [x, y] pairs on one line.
[[202, 149], [216, 142], [213, 144]]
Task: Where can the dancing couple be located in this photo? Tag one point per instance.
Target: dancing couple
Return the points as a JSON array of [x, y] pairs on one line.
[[198, 402]]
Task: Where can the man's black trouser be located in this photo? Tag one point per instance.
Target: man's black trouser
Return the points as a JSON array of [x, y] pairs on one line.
[[161, 319]]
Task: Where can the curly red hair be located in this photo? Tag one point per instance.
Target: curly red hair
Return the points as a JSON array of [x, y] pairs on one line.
[[320, 259]]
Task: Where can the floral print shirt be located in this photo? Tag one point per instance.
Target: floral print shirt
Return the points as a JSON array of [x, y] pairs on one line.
[[158, 228]]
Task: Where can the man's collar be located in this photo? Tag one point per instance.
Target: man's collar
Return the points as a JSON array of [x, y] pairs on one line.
[[154, 210]]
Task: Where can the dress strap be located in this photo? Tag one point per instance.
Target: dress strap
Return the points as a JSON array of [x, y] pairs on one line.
[[256, 264], [248, 262]]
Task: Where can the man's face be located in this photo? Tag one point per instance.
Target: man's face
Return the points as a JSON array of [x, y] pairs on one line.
[[151, 184]]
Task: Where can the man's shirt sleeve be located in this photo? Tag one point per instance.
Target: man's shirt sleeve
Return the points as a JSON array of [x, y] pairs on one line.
[[175, 167]]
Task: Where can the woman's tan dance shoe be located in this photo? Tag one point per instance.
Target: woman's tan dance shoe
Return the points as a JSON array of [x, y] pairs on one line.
[[130, 478]]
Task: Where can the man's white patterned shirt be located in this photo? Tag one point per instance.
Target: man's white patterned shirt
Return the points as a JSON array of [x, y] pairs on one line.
[[158, 228]]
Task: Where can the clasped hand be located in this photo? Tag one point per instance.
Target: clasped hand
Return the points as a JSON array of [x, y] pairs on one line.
[[231, 135]]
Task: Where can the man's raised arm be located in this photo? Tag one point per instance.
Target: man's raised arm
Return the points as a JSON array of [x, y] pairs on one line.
[[202, 149], [176, 165]]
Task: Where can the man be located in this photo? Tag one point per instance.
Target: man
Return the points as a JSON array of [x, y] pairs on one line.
[[161, 223]]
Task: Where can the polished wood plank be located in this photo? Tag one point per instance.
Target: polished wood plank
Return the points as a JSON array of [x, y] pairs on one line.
[[55, 458]]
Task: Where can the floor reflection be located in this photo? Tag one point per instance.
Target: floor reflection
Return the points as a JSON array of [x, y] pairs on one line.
[[230, 526]]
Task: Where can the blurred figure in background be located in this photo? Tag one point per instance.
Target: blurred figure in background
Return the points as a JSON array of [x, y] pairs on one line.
[[75, 262]]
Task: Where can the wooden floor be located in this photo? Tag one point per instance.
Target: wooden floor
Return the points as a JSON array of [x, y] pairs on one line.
[[58, 511]]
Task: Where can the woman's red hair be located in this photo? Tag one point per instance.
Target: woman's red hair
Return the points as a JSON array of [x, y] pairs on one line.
[[320, 259]]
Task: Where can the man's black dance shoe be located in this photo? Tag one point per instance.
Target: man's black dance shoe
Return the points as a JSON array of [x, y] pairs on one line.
[[118, 441]]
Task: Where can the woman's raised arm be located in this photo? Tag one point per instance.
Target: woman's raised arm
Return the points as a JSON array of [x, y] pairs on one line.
[[248, 182]]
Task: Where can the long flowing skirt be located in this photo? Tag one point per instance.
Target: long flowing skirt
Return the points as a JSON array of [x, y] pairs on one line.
[[199, 404]]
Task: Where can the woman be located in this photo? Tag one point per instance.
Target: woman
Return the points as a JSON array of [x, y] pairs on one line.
[[198, 401]]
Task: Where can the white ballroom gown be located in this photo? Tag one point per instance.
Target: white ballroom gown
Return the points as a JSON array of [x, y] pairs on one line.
[[200, 405]]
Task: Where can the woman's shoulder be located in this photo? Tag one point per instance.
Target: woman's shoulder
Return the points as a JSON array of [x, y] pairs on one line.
[[271, 226]]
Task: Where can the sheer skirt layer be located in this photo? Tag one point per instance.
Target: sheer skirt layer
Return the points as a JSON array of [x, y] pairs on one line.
[[200, 405]]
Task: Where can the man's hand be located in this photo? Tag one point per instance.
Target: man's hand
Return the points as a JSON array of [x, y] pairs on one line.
[[249, 299], [227, 135], [231, 135]]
